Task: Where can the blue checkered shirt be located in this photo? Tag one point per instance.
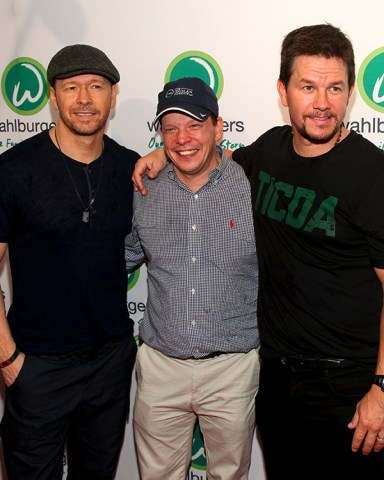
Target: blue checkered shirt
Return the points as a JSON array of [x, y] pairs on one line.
[[201, 263]]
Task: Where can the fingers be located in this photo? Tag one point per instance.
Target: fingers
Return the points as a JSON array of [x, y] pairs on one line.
[[355, 419], [379, 444], [153, 172], [358, 439], [138, 185], [11, 372], [9, 380], [142, 190], [368, 441], [137, 179], [150, 165]]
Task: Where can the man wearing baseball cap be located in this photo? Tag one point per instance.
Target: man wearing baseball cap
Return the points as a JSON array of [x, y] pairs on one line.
[[199, 359], [66, 345]]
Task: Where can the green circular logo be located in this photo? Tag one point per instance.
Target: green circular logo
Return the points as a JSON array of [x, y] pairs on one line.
[[370, 80], [133, 278], [24, 86], [197, 64], [198, 453]]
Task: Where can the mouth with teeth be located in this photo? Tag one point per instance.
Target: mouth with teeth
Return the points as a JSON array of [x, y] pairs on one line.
[[186, 153], [321, 118], [85, 114]]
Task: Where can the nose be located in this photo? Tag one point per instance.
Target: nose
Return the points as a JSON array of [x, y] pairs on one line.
[[84, 97], [321, 100], [183, 136]]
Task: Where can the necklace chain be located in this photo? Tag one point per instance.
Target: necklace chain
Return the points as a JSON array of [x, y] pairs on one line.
[[339, 137], [86, 209]]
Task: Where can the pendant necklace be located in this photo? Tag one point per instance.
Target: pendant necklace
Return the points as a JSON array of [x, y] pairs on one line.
[[86, 209]]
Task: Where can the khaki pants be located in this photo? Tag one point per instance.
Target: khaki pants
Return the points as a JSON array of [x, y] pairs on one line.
[[172, 393]]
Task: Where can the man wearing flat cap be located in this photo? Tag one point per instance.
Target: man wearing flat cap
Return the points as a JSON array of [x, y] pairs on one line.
[[66, 344], [199, 358]]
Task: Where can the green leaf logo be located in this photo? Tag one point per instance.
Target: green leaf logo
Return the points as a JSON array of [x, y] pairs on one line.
[[370, 80], [197, 64], [24, 86]]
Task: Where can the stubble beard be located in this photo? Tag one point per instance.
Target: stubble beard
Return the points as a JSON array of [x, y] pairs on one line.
[[318, 140], [85, 130]]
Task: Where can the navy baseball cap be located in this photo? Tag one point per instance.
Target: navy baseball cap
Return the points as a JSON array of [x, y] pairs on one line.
[[189, 95]]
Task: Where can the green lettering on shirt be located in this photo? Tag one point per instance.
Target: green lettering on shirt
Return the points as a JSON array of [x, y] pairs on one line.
[[324, 218], [298, 208]]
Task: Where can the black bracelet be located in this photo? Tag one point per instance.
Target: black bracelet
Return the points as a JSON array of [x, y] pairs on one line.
[[11, 359]]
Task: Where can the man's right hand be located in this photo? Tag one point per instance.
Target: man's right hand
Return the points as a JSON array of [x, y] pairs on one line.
[[11, 372], [149, 165]]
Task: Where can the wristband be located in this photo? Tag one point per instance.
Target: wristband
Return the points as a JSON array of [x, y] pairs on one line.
[[11, 359], [379, 381]]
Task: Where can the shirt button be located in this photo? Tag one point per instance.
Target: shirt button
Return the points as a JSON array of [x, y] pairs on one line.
[[193, 291], [194, 227], [197, 350], [193, 259], [193, 322], [196, 196]]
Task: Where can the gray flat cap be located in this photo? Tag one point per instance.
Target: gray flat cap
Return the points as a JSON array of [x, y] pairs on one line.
[[78, 60]]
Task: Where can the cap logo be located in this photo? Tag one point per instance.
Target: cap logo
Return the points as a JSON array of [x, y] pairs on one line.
[[170, 93], [179, 91]]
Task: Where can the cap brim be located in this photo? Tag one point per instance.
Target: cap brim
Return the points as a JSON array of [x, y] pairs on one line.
[[200, 114], [85, 71]]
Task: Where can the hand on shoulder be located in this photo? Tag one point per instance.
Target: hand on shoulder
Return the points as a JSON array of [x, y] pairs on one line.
[[150, 165]]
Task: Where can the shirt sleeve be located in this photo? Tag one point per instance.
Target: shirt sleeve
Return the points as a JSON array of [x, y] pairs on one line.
[[134, 254]]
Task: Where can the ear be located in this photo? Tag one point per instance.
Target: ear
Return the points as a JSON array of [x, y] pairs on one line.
[[219, 129], [52, 95], [282, 93], [114, 94], [351, 91]]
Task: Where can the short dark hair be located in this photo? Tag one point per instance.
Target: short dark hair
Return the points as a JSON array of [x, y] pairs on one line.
[[323, 40]]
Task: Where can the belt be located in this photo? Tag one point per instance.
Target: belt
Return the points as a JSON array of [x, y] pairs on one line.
[[83, 355], [207, 357], [300, 361]]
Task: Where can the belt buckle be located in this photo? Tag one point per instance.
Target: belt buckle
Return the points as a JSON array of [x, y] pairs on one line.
[[301, 361]]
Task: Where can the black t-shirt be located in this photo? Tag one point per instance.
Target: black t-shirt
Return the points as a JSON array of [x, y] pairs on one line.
[[319, 225], [68, 277]]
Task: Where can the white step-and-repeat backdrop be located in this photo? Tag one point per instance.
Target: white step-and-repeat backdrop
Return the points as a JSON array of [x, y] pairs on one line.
[[233, 45]]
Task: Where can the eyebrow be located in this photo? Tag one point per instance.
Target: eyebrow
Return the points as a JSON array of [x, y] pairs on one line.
[[336, 82]]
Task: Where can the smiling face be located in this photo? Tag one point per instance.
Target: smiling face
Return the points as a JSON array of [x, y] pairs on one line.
[[317, 96], [84, 102], [191, 146]]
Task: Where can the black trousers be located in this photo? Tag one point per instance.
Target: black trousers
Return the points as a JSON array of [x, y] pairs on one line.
[[302, 416], [82, 403]]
